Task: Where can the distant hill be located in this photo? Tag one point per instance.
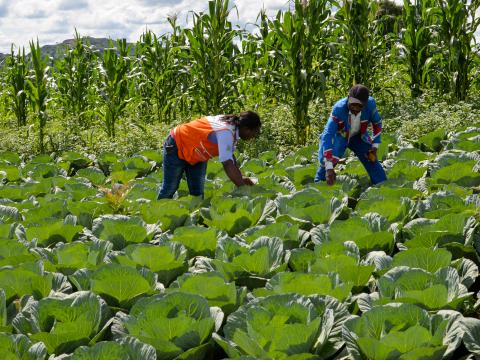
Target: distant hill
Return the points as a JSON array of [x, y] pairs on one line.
[[2, 58], [57, 50]]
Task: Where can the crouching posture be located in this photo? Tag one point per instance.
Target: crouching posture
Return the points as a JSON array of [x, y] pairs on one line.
[[189, 147], [348, 127]]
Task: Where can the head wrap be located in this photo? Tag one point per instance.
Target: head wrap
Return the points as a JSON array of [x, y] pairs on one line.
[[358, 95]]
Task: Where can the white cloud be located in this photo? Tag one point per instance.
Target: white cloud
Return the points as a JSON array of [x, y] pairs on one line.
[[69, 5], [248, 10], [53, 21], [36, 14]]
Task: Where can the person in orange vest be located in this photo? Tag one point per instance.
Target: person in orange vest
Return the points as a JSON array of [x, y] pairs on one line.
[[189, 147]]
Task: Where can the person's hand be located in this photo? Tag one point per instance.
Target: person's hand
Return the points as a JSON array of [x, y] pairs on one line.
[[331, 177], [372, 154], [248, 181]]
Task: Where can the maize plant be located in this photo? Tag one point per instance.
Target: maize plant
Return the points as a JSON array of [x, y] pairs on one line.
[[38, 89], [144, 84], [114, 71], [260, 65], [250, 82], [416, 42], [213, 62], [145, 51], [360, 44], [459, 22], [389, 14], [16, 80], [301, 35], [161, 73], [74, 80], [387, 24], [476, 71]]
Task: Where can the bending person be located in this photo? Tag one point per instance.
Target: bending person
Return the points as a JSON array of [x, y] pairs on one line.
[[189, 147], [347, 126]]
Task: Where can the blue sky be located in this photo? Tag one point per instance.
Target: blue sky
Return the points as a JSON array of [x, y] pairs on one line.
[[53, 21]]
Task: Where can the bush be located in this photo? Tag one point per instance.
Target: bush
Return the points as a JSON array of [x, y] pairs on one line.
[[278, 130], [415, 119], [410, 118], [65, 136]]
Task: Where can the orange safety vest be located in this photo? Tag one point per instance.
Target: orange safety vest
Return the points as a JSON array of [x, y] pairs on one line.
[[192, 140]]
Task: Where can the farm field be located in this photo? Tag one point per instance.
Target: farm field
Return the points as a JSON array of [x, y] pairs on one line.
[[94, 267]]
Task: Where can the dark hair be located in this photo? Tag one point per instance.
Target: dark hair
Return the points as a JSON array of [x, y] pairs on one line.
[[248, 119], [360, 92]]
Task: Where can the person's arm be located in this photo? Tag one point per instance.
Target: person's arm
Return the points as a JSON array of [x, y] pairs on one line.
[[234, 173], [333, 124], [226, 157], [376, 121], [376, 126]]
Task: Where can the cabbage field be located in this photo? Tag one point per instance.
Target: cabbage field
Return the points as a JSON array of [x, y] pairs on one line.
[[94, 267]]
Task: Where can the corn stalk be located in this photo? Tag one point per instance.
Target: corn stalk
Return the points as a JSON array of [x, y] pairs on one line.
[[38, 90], [360, 43], [417, 41], [146, 51], [386, 28], [114, 71], [161, 73], [458, 24], [213, 63], [301, 37], [16, 81], [260, 64], [270, 63], [75, 78]]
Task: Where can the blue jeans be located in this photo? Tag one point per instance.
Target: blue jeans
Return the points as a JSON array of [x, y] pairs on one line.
[[173, 169], [360, 148]]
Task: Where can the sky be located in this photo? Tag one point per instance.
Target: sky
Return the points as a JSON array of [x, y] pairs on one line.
[[53, 21]]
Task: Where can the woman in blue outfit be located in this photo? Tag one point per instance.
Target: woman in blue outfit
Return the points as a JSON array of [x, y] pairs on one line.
[[347, 126]]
